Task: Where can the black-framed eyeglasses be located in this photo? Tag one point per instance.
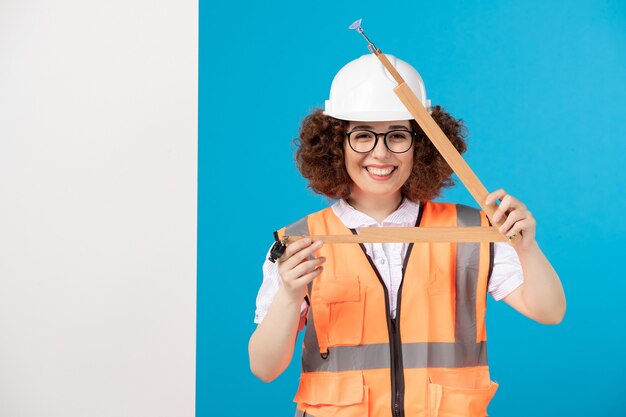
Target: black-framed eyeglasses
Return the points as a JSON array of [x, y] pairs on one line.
[[397, 141]]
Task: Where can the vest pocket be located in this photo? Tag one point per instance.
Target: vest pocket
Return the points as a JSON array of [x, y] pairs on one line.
[[346, 303], [322, 394], [447, 401]]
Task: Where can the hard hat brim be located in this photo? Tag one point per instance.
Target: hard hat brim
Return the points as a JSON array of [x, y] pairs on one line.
[[371, 117]]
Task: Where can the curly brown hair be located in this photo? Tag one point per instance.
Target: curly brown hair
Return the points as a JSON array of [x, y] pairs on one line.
[[320, 156]]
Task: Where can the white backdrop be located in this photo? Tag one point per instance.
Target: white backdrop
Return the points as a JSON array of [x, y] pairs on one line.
[[98, 181]]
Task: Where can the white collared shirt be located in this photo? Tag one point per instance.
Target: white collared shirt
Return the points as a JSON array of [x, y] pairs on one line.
[[506, 275]]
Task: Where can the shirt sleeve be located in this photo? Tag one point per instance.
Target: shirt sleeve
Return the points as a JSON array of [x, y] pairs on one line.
[[507, 274], [269, 287]]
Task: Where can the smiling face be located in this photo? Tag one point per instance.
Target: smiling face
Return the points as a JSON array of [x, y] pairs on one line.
[[379, 173]]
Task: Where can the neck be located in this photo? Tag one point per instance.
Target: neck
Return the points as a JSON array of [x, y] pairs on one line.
[[377, 207]]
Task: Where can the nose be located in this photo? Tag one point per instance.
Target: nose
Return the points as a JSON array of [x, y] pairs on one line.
[[380, 151]]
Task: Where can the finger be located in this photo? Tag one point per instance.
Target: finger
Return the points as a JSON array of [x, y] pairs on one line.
[[307, 266], [302, 255], [522, 226], [511, 218], [496, 195], [502, 208], [294, 247], [305, 279]]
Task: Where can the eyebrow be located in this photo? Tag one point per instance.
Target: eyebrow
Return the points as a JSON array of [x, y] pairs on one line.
[[371, 127]]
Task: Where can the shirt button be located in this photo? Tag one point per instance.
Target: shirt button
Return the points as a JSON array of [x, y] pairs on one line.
[[382, 261]]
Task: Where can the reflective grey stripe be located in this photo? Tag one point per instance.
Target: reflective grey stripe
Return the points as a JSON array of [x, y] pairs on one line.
[[467, 216], [467, 259], [300, 413], [443, 355], [299, 228], [348, 358], [311, 348], [414, 355]]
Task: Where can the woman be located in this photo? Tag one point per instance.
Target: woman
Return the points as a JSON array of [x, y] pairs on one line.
[[391, 329]]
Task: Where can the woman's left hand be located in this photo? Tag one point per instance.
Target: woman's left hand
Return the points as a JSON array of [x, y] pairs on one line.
[[517, 217]]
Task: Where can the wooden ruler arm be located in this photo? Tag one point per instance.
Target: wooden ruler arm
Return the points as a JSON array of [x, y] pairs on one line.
[[412, 234], [443, 145]]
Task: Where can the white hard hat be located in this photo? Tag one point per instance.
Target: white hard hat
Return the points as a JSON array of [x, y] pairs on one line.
[[363, 90]]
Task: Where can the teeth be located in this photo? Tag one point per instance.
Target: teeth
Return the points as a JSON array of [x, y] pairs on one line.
[[380, 172]]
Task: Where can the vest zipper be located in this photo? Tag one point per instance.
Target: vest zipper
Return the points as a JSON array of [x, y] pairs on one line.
[[393, 329], [395, 347], [396, 405], [397, 373], [397, 370], [399, 391]]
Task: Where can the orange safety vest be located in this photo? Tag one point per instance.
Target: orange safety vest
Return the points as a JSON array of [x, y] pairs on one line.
[[431, 359]]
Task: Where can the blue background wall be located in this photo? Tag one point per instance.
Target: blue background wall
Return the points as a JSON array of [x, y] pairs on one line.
[[541, 87]]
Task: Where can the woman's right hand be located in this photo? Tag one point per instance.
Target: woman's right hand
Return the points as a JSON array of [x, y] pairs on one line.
[[272, 343], [297, 270]]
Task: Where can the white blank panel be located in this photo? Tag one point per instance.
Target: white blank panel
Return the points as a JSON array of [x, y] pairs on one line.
[[98, 181]]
